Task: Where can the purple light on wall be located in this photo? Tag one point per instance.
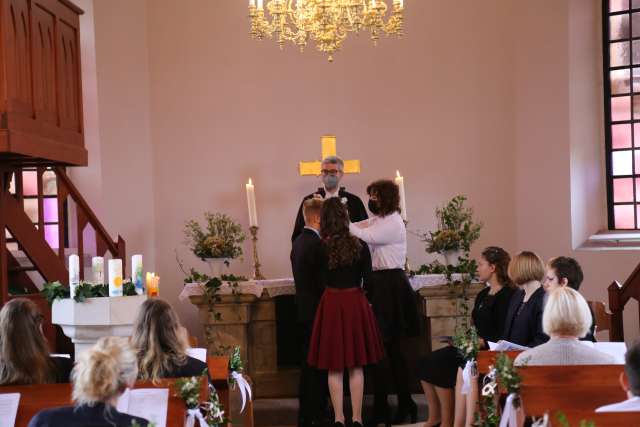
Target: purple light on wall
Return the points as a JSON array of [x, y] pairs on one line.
[[50, 210], [51, 235]]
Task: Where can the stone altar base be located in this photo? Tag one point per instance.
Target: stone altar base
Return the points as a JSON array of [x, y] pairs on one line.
[[250, 323]]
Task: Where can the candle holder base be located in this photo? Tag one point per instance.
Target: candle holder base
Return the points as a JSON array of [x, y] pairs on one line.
[[257, 274], [407, 268]]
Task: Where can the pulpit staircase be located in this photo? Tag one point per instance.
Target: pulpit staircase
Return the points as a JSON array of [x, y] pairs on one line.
[[43, 216]]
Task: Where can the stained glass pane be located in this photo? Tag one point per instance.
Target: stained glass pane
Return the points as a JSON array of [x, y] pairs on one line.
[[620, 108], [618, 5], [49, 184], [12, 184], [635, 4], [619, 27], [620, 82], [31, 209], [29, 183], [51, 235], [621, 136], [621, 162], [635, 27], [623, 190], [623, 216], [619, 53], [50, 210]]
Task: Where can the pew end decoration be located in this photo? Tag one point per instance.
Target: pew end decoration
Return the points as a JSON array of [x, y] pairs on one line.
[[467, 343], [237, 379], [208, 413], [503, 377]]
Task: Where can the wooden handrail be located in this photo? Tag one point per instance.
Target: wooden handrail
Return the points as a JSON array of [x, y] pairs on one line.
[[85, 216], [619, 295]]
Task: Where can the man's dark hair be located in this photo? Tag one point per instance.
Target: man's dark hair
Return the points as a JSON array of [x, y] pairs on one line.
[[388, 195], [567, 268], [632, 367]]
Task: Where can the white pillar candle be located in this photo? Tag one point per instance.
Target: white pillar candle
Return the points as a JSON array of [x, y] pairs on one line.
[[115, 277], [97, 267], [74, 274], [251, 203], [399, 179], [137, 276]]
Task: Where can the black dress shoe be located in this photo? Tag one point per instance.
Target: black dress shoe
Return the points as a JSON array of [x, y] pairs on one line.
[[338, 424], [356, 424], [381, 415], [407, 409]]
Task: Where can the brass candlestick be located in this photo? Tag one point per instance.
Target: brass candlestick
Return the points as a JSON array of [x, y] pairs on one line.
[[257, 275]]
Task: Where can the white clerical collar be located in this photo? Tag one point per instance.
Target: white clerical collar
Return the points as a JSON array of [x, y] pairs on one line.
[[312, 229], [328, 194]]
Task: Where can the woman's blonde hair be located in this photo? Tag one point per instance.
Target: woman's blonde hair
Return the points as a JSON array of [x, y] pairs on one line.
[[526, 267], [104, 371], [156, 338], [566, 313], [24, 355]]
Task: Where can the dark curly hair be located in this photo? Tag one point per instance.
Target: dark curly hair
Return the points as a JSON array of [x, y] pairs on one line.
[[388, 195], [568, 268], [500, 259], [343, 248]]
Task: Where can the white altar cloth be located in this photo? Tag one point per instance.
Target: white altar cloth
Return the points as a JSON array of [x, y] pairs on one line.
[[285, 286]]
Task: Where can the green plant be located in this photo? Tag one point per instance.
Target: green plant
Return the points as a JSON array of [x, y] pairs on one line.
[[221, 237], [54, 290], [188, 389], [467, 342], [456, 228], [503, 376], [564, 422]]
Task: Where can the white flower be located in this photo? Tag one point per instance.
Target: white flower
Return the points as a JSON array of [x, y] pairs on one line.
[[344, 200]]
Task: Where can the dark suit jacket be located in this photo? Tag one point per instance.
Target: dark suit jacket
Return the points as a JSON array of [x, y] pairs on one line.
[[357, 211], [192, 368], [525, 328], [306, 263], [84, 416]]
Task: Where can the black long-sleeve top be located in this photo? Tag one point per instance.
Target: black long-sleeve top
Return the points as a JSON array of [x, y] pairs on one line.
[[490, 312], [351, 276], [524, 319]]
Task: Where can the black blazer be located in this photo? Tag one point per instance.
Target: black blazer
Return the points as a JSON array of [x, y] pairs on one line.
[[525, 328], [84, 416], [193, 368], [357, 211], [63, 368], [306, 264]]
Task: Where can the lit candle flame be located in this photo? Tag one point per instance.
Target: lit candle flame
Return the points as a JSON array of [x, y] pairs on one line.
[[250, 183], [397, 173]]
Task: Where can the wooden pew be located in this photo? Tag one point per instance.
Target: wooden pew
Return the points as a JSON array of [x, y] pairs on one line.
[[34, 398], [576, 391], [219, 372]]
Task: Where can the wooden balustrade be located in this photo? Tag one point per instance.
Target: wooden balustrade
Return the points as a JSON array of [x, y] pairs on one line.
[[619, 296]]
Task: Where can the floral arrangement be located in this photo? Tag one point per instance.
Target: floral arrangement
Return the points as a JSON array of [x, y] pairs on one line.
[[503, 376], [210, 412], [56, 290], [467, 342], [220, 238], [236, 379], [456, 228]]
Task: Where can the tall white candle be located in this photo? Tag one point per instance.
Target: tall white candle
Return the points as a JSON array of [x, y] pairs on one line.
[[137, 276], [251, 203], [399, 179], [97, 267], [115, 277], [74, 274]]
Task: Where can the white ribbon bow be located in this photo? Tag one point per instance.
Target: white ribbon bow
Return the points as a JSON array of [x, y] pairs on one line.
[[509, 416], [243, 385], [466, 377], [192, 415]]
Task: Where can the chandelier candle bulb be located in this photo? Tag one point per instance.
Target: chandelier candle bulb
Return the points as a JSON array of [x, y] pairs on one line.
[[74, 274], [399, 180], [115, 277], [251, 204], [260, 7], [97, 267]]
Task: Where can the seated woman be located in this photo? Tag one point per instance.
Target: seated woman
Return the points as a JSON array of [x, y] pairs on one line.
[[438, 370], [100, 376], [160, 342], [24, 355], [565, 271], [566, 318], [524, 318]]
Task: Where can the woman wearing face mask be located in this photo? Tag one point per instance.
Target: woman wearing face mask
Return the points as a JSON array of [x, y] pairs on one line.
[[393, 300]]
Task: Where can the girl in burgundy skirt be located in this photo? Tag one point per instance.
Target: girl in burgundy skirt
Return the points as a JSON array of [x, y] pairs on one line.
[[345, 332]]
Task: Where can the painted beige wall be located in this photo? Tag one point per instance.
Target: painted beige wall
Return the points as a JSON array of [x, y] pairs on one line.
[[476, 99]]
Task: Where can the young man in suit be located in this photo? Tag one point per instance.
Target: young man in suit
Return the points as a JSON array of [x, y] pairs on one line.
[[332, 173], [307, 274]]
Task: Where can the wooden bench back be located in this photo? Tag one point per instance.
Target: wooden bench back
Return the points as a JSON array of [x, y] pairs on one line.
[[601, 316], [34, 398], [575, 390], [488, 358]]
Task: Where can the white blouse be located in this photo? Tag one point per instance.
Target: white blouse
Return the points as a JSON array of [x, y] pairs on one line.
[[387, 240], [630, 405]]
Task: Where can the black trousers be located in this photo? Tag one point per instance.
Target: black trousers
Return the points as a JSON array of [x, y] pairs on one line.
[[395, 364], [313, 390]]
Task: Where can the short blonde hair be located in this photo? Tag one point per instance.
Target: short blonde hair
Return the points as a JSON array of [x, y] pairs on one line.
[[526, 267], [312, 206], [104, 371], [566, 313]]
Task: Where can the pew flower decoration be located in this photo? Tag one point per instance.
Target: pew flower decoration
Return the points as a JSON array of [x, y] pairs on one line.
[[236, 378], [467, 342], [502, 376], [209, 413]]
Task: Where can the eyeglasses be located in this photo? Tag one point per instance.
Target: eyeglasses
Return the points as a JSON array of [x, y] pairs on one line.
[[329, 171]]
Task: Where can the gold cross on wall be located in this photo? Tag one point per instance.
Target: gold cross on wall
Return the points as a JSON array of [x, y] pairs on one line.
[[328, 149]]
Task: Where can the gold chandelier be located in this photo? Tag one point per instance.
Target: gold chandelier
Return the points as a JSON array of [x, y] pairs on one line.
[[326, 22]]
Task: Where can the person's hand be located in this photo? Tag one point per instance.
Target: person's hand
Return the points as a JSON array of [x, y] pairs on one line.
[[318, 196]]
